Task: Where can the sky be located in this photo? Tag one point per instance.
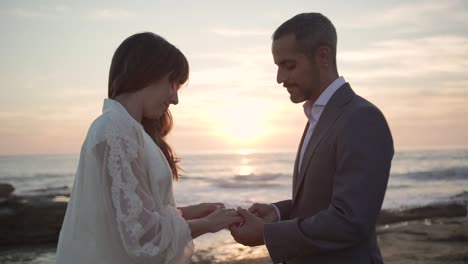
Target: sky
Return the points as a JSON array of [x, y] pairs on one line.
[[410, 58]]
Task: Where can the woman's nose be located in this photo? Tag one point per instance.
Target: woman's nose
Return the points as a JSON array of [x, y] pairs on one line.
[[174, 97]]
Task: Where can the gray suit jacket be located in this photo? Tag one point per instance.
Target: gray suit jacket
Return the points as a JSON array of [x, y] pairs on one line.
[[339, 189]]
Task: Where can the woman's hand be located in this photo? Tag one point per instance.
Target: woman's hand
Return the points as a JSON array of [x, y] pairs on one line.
[[218, 219], [199, 210], [222, 218]]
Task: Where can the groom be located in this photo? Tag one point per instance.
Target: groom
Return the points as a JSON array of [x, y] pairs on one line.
[[342, 164]]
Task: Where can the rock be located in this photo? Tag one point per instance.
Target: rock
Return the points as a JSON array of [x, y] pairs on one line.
[[6, 191], [463, 194], [49, 192], [31, 220], [438, 240], [430, 211], [435, 241], [461, 198], [36, 217]]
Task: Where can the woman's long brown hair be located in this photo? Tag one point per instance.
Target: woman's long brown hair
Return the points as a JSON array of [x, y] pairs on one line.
[[140, 60]]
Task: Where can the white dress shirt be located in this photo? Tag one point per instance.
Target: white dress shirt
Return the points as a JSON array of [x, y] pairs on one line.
[[313, 111]]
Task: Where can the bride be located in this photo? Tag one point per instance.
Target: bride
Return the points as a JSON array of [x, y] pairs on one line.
[[121, 209]]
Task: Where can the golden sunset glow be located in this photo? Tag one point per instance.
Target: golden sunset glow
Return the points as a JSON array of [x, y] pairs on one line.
[[245, 170], [243, 125], [409, 58]]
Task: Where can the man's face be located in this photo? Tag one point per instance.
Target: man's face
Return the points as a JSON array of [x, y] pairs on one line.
[[296, 71]]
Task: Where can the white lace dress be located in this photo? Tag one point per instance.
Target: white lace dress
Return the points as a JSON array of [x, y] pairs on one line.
[[121, 209]]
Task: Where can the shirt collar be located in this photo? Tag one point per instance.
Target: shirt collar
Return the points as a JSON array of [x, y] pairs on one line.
[[329, 91], [324, 97], [111, 105]]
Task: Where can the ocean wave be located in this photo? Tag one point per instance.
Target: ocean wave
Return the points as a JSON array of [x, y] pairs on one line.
[[249, 177], [258, 177], [266, 180], [36, 176], [399, 186], [244, 185], [194, 178], [52, 175], [455, 173], [32, 181]]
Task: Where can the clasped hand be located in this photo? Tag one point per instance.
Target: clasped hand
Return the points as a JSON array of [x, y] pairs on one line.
[[246, 226], [250, 231]]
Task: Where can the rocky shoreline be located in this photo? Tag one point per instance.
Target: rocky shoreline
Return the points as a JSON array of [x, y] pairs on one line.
[[428, 241], [32, 218], [35, 218]]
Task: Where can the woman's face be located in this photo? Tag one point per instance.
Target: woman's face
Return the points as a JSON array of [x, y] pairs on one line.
[[158, 96]]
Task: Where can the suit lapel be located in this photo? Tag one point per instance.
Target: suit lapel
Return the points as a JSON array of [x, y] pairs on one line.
[[330, 114], [298, 155]]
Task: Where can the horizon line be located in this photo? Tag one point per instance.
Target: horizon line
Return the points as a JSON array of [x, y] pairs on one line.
[[241, 151]]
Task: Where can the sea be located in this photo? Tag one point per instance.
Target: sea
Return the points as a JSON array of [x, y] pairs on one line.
[[418, 177]]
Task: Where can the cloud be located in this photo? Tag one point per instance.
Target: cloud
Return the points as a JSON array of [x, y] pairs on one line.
[[429, 102], [241, 68], [41, 12], [53, 12], [414, 16], [409, 58], [456, 84], [109, 14], [234, 33], [7, 115]]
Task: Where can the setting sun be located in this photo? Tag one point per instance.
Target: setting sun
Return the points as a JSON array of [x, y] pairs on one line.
[[245, 125]]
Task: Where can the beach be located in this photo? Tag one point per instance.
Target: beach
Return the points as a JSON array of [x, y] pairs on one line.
[[428, 241], [423, 218], [436, 233], [351, 116]]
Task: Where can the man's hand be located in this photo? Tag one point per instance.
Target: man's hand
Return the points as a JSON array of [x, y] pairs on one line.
[[199, 210], [250, 233], [265, 211]]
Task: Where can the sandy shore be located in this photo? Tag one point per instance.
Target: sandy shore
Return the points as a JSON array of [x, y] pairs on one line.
[[429, 241], [438, 240], [436, 233]]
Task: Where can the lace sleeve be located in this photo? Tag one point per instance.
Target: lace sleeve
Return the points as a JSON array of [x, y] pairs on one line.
[[150, 232]]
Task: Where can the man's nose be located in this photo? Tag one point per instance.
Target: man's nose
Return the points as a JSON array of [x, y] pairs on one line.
[[280, 77]]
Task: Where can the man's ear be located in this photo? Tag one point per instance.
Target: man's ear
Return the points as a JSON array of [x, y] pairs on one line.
[[323, 57]]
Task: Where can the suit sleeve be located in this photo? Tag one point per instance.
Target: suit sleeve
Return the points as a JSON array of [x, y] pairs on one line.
[[284, 208], [363, 158]]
